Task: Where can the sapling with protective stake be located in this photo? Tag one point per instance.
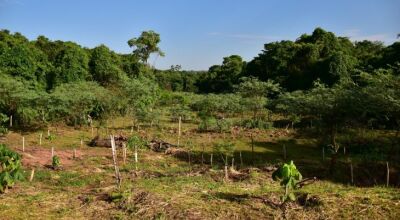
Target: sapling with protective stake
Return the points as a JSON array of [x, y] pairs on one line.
[[189, 145], [135, 143], [226, 150]]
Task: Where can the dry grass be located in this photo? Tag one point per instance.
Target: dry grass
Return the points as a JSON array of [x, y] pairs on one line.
[[165, 187]]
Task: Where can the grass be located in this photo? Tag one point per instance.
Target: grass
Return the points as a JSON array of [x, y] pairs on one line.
[[165, 188]]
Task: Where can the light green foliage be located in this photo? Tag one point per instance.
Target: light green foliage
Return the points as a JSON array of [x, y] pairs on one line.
[[10, 167], [55, 162], [289, 176], [225, 149], [18, 99], [136, 142], [254, 94], [74, 101], [51, 137], [142, 95]]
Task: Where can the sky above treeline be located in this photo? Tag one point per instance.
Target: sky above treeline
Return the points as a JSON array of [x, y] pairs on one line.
[[199, 33]]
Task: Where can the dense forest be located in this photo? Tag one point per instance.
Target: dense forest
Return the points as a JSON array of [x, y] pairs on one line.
[[51, 81]]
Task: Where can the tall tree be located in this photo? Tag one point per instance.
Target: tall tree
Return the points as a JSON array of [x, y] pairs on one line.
[[146, 44]]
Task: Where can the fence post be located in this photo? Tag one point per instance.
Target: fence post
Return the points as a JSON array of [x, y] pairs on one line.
[[387, 174], [114, 155], [179, 129]]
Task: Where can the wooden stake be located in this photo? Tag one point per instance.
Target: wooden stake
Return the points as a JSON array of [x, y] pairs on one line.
[[351, 174], [179, 129], [124, 152], [136, 158], [226, 168], [241, 159], [32, 174], [387, 174], [202, 156], [23, 144], [81, 142], [11, 121], [284, 152], [52, 152], [40, 138], [114, 154], [252, 147]]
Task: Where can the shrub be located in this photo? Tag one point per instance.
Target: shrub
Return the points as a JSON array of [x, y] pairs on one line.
[[10, 167], [256, 123]]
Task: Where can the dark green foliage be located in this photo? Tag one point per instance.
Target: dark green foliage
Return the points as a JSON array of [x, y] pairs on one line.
[[71, 64], [104, 66], [3, 120], [10, 168], [289, 176], [260, 123], [222, 78]]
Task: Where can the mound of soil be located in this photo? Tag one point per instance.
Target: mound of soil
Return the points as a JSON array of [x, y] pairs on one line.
[[106, 142]]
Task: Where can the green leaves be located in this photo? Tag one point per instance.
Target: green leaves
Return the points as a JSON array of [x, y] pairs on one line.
[[289, 176], [10, 171], [136, 142], [55, 162], [225, 148], [146, 44]]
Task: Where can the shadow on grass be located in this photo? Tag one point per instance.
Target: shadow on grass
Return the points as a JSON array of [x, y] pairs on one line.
[[308, 159]]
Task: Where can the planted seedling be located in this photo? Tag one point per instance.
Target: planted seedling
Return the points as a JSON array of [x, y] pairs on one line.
[[135, 143], [289, 177], [56, 163], [226, 150]]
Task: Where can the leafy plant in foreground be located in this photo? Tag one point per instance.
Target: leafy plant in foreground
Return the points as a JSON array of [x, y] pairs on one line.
[[10, 168], [289, 177]]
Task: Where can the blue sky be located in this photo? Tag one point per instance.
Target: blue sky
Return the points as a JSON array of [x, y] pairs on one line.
[[198, 34]]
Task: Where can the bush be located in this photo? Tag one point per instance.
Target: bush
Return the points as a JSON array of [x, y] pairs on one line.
[[256, 123], [180, 111]]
